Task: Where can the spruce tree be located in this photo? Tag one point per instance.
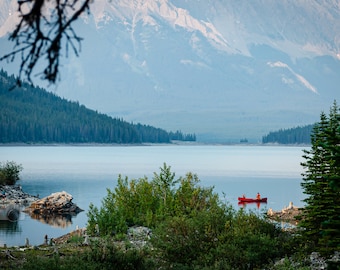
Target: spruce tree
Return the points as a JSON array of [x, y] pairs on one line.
[[330, 227], [321, 215]]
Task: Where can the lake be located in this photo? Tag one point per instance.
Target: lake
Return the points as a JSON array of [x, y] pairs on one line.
[[87, 171]]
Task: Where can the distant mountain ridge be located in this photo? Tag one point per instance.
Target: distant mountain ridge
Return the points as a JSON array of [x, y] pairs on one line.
[[224, 70]]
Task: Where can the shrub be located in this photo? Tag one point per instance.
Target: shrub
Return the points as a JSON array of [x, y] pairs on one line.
[[191, 227], [106, 254], [220, 239], [9, 173]]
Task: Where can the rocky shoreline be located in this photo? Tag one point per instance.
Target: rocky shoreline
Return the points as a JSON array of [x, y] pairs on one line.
[[48, 209], [61, 203], [288, 214], [15, 195]]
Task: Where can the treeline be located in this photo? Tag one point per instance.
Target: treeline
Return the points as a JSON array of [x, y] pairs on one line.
[[297, 135], [33, 115], [179, 136]]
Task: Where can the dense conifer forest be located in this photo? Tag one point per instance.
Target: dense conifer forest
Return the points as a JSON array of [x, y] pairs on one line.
[[31, 114], [297, 135]]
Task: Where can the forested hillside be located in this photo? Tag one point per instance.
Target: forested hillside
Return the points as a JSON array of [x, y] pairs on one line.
[[297, 135], [32, 115]]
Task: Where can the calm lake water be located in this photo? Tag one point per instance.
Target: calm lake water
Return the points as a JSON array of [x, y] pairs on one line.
[[87, 171]]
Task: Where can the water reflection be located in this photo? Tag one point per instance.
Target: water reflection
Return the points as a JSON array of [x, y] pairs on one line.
[[9, 227], [258, 204], [54, 220], [11, 213], [9, 216]]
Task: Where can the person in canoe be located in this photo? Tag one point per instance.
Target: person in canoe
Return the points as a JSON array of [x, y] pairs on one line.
[[258, 196]]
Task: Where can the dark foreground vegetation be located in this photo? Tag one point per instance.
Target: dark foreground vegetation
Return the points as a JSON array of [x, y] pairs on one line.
[[187, 226], [32, 115]]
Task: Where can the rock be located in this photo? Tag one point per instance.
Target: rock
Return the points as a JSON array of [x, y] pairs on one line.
[[139, 233], [287, 214], [65, 238], [318, 262], [15, 195], [139, 236], [314, 261], [56, 203]]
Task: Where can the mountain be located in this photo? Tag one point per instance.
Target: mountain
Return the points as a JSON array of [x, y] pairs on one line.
[[223, 69]]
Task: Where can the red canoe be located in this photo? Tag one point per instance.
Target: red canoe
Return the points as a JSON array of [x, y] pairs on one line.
[[250, 200]]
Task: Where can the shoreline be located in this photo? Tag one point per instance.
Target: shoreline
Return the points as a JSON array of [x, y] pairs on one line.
[[13, 194], [174, 142], [286, 215]]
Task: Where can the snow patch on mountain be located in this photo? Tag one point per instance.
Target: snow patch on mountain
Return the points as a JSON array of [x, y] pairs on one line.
[[130, 13], [299, 77], [192, 63]]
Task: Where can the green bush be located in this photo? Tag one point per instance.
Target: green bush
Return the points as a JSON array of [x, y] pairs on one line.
[[191, 227], [9, 173], [220, 240]]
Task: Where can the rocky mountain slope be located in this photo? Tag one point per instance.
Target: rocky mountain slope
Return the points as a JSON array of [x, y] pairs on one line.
[[224, 70]]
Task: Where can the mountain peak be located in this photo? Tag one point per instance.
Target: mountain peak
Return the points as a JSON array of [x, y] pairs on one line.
[[153, 13], [221, 69]]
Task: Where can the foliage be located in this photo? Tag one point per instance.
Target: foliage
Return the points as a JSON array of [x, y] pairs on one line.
[[227, 240], [32, 115], [9, 173], [42, 27], [108, 255], [287, 264], [191, 227], [320, 218], [297, 135], [99, 255]]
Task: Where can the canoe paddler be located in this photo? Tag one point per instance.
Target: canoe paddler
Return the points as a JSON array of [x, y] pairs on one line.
[[258, 196]]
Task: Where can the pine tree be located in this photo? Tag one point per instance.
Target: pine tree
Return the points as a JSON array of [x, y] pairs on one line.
[[321, 216], [330, 227]]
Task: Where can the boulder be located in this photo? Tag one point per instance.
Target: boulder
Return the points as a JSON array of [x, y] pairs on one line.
[[139, 236], [56, 203], [287, 214]]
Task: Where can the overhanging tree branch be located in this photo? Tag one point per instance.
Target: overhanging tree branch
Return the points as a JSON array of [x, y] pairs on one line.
[[43, 25]]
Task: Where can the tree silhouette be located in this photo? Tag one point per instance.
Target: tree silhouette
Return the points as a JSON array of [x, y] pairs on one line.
[[320, 218], [43, 26]]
